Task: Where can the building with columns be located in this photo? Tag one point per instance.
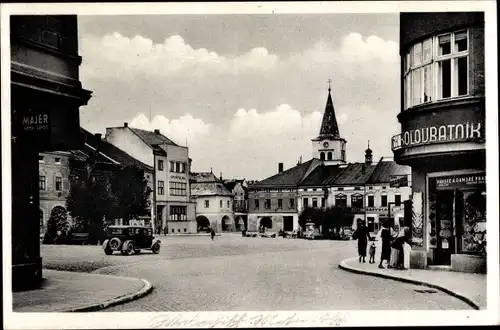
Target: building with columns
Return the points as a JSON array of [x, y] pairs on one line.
[[214, 202]]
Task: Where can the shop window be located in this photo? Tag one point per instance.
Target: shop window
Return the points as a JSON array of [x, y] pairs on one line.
[[371, 201], [473, 221], [371, 224], [178, 213]]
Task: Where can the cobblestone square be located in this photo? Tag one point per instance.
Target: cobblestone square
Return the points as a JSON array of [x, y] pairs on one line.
[[234, 273]]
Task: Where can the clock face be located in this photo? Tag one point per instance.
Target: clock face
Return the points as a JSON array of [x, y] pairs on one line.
[[325, 144]]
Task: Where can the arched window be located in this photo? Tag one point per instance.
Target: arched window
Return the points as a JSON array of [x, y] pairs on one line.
[[329, 155], [322, 156]]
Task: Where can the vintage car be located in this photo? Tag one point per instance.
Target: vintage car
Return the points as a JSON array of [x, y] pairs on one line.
[[130, 239]]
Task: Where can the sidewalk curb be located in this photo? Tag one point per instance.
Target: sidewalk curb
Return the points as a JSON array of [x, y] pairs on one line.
[[145, 290], [343, 265]]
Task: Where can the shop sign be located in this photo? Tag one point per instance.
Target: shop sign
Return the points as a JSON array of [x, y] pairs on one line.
[[461, 181], [35, 122], [438, 134], [178, 177], [397, 181]]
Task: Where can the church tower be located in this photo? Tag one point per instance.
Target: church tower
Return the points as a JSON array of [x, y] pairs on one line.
[[329, 146]]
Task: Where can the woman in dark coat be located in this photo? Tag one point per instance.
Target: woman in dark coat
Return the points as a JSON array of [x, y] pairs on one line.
[[386, 237], [362, 235]]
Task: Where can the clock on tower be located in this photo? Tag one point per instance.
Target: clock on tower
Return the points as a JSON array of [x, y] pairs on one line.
[[325, 144]]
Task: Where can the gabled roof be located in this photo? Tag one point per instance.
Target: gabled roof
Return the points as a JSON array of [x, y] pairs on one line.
[[288, 178], [329, 126], [203, 177], [207, 184], [385, 169], [112, 152], [152, 138], [321, 174], [352, 175]]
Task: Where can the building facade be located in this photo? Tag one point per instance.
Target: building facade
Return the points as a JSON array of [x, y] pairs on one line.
[[442, 136], [174, 211], [239, 189], [46, 95], [53, 183], [214, 202], [55, 169]]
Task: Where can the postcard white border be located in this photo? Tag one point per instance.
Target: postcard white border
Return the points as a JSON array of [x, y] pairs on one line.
[[227, 319]]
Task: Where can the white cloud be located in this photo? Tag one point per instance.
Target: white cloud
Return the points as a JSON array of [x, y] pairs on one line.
[[115, 54], [249, 141], [244, 113]]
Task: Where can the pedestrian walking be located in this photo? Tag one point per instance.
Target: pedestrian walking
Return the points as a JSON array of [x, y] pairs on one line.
[[386, 238], [362, 235], [212, 233]]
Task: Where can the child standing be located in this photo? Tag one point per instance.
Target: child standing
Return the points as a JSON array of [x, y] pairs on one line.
[[372, 253]]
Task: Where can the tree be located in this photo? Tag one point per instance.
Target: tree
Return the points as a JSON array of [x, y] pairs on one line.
[[89, 202], [130, 194], [337, 217], [57, 226]]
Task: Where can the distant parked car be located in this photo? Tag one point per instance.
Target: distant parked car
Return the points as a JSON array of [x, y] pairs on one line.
[[347, 233], [130, 239]]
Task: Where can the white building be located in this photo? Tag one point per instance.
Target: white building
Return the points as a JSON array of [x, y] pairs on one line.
[[174, 211]]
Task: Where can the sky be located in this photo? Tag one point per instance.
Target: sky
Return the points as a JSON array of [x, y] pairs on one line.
[[244, 92]]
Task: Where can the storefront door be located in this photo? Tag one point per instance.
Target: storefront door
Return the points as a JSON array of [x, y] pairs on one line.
[[458, 216]]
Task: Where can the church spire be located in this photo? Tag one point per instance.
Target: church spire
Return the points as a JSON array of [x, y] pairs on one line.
[[329, 127]]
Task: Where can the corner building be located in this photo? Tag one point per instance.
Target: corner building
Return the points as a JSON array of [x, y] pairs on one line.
[[442, 137]]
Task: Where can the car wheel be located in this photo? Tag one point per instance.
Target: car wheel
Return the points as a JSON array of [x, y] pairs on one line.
[[130, 249], [108, 250], [156, 248], [114, 243]]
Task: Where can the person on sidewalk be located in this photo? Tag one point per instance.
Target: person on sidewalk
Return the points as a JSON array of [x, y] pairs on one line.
[[372, 253], [212, 233], [386, 238], [362, 235]]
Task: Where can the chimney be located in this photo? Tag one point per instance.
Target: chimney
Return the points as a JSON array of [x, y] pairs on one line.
[[280, 167], [221, 176], [125, 124], [157, 131]]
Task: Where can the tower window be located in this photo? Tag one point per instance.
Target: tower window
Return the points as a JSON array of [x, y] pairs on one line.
[[329, 155], [322, 156]]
